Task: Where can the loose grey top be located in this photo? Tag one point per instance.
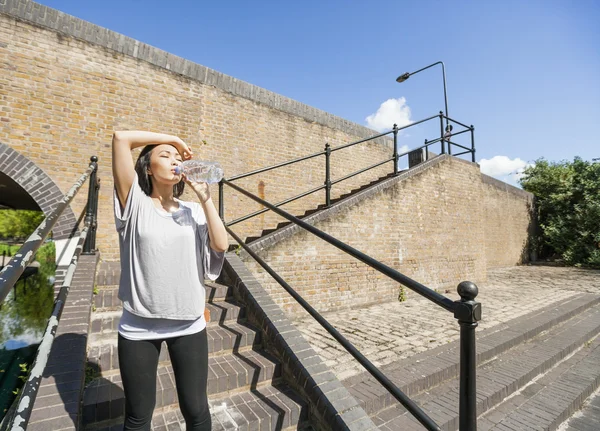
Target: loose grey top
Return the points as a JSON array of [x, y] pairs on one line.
[[165, 257]]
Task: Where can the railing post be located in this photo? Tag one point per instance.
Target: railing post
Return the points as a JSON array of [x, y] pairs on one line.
[[327, 175], [221, 203], [395, 149], [472, 143], [426, 151], [94, 225], [92, 206], [468, 313], [442, 132]]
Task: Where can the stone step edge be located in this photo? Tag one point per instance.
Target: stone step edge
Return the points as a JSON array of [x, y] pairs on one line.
[[585, 416], [113, 343], [234, 312], [166, 384], [108, 334], [228, 421], [213, 294], [566, 363], [485, 403], [96, 339], [171, 403], [277, 390], [580, 384], [445, 359]]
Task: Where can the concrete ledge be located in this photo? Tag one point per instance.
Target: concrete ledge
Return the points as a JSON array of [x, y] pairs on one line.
[[486, 179], [330, 403]]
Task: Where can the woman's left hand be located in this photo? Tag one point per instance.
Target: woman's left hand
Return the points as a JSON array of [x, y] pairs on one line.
[[202, 189]]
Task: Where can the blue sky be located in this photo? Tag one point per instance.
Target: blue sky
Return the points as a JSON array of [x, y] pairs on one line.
[[525, 73]]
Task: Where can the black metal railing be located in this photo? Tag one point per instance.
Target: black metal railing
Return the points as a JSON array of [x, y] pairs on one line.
[[467, 311], [12, 271], [444, 138]]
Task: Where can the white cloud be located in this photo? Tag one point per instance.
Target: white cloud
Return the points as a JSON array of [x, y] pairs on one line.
[[391, 111], [403, 149], [503, 168]]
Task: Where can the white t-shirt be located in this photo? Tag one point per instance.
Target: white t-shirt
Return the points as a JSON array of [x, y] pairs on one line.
[[165, 258]]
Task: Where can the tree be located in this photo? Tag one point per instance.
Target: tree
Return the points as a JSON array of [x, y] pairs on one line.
[[568, 209], [19, 223]]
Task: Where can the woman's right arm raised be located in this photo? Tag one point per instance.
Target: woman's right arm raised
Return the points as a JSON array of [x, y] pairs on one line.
[[122, 163]]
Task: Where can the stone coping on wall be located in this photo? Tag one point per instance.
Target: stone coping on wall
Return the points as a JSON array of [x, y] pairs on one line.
[[330, 402], [68, 25], [505, 187]]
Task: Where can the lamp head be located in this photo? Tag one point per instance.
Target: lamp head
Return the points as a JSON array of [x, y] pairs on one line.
[[403, 77]]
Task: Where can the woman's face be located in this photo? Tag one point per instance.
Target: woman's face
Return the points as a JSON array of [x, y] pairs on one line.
[[163, 160]]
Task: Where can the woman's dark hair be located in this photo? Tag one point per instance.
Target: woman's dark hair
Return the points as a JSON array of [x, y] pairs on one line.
[[141, 167]]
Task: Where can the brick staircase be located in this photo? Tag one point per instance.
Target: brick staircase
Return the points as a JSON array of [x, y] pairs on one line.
[[244, 383], [352, 192], [534, 373]]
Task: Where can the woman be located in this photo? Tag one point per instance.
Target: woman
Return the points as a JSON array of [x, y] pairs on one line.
[[168, 247]]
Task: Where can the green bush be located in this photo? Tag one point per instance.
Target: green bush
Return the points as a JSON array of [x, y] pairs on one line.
[[568, 209], [19, 223]]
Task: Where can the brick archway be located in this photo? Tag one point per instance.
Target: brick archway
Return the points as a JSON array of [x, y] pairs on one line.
[[39, 186]]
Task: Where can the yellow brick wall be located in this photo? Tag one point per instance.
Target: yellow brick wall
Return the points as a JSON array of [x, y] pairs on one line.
[[439, 227], [508, 219], [61, 98]]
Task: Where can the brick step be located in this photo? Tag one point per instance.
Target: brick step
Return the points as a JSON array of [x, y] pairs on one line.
[[222, 340], [588, 418], [105, 324], [551, 399], [425, 370], [504, 375], [273, 407], [107, 297], [228, 375]]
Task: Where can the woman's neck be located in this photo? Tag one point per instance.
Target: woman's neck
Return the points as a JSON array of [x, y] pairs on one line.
[[162, 197]]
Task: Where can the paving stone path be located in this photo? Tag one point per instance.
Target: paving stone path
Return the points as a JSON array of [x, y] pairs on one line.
[[391, 331]]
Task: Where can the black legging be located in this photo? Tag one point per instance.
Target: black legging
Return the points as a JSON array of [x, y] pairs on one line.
[[138, 361]]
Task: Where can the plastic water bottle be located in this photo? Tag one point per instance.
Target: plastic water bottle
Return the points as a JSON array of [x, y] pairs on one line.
[[200, 171]]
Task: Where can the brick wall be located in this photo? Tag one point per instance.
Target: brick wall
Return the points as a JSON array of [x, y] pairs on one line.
[[439, 225], [66, 85], [507, 223]]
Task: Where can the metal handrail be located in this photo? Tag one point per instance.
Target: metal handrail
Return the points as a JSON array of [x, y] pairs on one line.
[[29, 392], [360, 171], [278, 204], [279, 165], [328, 183], [458, 145], [410, 405], [458, 122], [10, 274], [467, 311], [351, 144], [422, 290]]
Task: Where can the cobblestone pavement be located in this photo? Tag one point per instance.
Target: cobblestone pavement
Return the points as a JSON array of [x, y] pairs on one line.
[[391, 331]]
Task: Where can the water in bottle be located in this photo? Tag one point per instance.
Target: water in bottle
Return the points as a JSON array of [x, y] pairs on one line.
[[200, 171]]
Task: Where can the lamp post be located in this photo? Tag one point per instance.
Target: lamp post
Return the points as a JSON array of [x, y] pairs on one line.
[[407, 75]]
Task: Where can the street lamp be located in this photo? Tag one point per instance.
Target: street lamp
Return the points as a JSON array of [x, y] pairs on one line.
[[407, 75]]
